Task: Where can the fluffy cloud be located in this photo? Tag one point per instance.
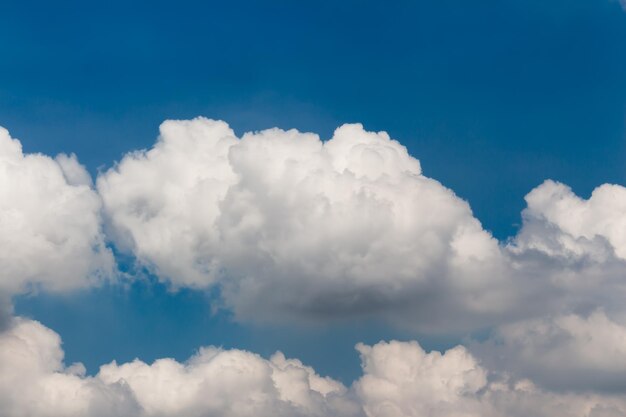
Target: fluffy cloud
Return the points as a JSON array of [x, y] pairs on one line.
[[291, 227], [567, 352], [50, 224], [561, 225], [399, 379], [214, 382], [34, 381], [284, 222], [569, 255]]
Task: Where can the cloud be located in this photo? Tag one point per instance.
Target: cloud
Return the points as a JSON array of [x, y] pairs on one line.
[[561, 225], [399, 379], [284, 222], [214, 382], [569, 256], [50, 223], [566, 352], [290, 227], [34, 381]]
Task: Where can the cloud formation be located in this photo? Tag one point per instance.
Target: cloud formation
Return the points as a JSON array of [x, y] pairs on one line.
[[561, 225], [566, 352], [214, 382], [399, 379], [344, 227], [50, 223], [288, 226]]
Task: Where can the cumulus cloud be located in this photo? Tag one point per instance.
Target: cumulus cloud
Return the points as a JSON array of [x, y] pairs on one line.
[[289, 227], [50, 223], [399, 379], [284, 222], [559, 224], [214, 382], [34, 381], [566, 352], [569, 255]]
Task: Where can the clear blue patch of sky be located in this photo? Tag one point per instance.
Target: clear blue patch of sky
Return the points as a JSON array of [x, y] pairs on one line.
[[145, 320]]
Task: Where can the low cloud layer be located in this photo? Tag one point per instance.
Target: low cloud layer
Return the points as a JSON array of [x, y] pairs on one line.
[[399, 379]]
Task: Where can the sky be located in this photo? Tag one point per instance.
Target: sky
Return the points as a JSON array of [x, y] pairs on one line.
[[241, 178]]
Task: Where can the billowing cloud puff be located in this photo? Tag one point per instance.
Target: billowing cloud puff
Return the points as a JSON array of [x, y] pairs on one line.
[[402, 380], [284, 222], [50, 224], [399, 380], [570, 254], [561, 225], [289, 226], [567, 352], [230, 383], [34, 381]]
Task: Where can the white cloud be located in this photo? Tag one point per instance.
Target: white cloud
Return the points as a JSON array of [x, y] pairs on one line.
[[230, 383], [561, 225], [50, 224], [566, 352], [399, 379], [34, 381], [402, 380], [291, 227], [287, 223], [214, 382], [569, 256]]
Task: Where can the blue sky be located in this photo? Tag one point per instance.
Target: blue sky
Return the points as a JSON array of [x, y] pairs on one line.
[[492, 97]]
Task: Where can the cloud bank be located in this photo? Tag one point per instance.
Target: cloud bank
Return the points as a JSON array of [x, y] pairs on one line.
[[344, 227], [290, 227], [399, 379]]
